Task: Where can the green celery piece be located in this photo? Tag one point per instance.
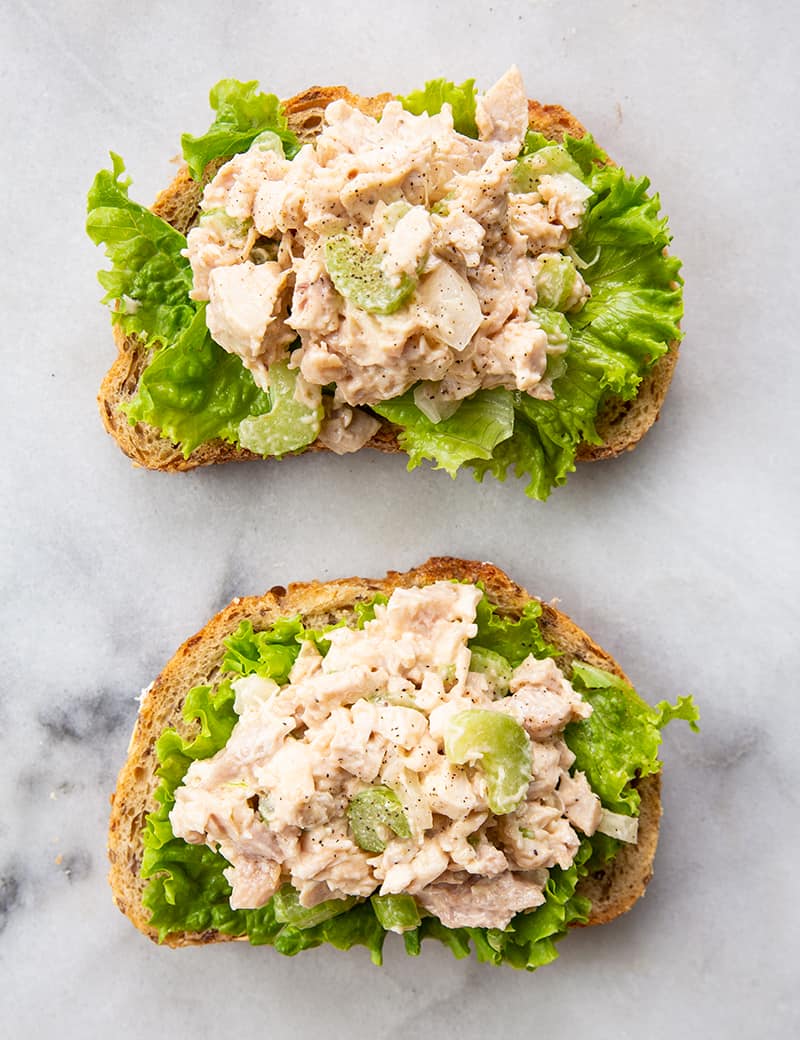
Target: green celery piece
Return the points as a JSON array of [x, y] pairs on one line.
[[396, 913], [493, 665], [555, 324], [356, 274], [551, 158], [371, 812], [503, 749], [288, 426], [289, 910], [555, 282]]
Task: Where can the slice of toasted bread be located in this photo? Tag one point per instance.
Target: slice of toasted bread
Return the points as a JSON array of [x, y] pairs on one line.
[[620, 424], [612, 890]]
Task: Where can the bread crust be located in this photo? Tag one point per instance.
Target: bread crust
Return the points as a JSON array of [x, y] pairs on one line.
[[612, 891], [621, 425]]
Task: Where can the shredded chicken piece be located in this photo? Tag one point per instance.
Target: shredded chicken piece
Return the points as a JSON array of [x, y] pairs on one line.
[[484, 902], [502, 113], [246, 314], [347, 429], [581, 804]]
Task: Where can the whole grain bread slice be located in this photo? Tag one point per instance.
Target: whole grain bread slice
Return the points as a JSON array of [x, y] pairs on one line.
[[612, 890], [621, 424]]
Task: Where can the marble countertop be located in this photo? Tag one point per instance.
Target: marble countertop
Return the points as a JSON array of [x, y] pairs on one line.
[[681, 558]]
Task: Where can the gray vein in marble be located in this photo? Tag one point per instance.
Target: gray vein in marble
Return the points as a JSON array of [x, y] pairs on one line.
[[10, 893], [88, 719]]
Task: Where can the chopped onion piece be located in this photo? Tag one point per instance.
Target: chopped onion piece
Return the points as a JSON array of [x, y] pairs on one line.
[[615, 825], [452, 310], [431, 405]]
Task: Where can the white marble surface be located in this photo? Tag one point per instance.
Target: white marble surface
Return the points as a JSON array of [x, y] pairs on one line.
[[682, 558]]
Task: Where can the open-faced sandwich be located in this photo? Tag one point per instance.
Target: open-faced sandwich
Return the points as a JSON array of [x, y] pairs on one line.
[[463, 277], [435, 754]]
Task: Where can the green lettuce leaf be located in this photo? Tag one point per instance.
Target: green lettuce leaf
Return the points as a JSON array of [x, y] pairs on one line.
[[194, 391], [620, 740], [436, 93], [528, 452], [684, 708], [365, 611], [242, 113], [149, 282], [270, 653], [186, 889], [513, 639], [473, 432]]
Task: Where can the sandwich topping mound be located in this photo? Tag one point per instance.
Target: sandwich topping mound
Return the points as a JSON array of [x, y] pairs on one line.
[[393, 765], [405, 255], [436, 265], [422, 766]]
